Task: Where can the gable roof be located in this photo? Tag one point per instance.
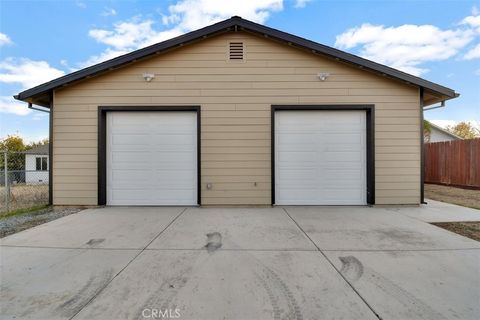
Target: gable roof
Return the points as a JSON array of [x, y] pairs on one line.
[[434, 126], [41, 93], [41, 149]]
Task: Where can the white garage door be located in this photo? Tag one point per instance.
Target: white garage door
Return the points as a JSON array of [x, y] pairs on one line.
[[151, 158], [320, 158]]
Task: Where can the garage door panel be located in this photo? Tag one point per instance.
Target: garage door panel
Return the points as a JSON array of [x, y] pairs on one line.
[[138, 119], [295, 174], [344, 174], [342, 138], [156, 141], [143, 157], [151, 129], [297, 195], [322, 120], [294, 138], [147, 165], [303, 156], [151, 158], [320, 157], [345, 156], [145, 196], [147, 185], [348, 194], [164, 148], [342, 165], [132, 175]]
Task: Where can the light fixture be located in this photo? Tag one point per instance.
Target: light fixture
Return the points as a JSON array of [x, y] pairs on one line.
[[323, 76], [148, 76]]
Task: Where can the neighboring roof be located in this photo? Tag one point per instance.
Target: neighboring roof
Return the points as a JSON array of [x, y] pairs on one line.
[[41, 149], [232, 24], [445, 131]]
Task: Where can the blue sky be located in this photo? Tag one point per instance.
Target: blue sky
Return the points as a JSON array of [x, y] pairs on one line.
[[40, 40]]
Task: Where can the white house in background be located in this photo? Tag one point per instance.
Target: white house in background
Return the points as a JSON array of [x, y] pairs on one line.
[[438, 134], [36, 165]]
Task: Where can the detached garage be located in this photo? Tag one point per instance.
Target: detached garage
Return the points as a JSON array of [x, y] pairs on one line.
[[236, 114]]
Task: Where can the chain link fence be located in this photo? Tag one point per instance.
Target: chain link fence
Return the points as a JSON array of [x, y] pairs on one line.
[[23, 179]]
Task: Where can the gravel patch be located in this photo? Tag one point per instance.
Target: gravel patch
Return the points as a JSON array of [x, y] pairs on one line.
[[25, 221]]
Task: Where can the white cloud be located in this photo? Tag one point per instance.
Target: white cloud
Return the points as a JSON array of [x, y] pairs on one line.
[[182, 17], [12, 106], [472, 21], [301, 3], [126, 35], [475, 11], [28, 73], [4, 39], [80, 4], [194, 14], [473, 53], [405, 47], [108, 12]]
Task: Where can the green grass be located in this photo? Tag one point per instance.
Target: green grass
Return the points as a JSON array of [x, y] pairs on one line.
[[20, 212]]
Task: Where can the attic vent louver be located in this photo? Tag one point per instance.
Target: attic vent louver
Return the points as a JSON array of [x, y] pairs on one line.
[[236, 50]]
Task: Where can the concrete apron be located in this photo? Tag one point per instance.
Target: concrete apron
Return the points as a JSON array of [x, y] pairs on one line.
[[136, 263]]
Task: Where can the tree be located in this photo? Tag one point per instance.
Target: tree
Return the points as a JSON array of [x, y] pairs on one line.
[[36, 144], [13, 144], [427, 130], [464, 130]]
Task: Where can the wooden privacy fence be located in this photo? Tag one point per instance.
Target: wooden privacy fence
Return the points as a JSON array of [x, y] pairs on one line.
[[455, 163]]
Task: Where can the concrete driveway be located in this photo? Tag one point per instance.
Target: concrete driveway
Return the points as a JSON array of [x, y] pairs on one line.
[[242, 263]]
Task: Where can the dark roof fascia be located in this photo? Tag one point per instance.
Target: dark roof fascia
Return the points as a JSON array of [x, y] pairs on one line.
[[226, 25]]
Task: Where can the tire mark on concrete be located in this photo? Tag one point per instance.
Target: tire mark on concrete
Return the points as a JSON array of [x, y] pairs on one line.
[[294, 311], [273, 299], [92, 287], [352, 269], [167, 290]]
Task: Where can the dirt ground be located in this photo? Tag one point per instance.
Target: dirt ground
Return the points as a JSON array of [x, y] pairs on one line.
[[462, 197], [466, 229]]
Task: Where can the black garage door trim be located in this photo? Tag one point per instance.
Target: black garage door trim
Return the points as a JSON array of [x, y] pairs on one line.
[[102, 142], [370, 110]]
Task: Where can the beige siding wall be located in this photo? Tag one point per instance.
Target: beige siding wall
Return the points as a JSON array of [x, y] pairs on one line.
[[235, 100]]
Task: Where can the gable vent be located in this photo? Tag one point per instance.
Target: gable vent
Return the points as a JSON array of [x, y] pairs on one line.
[[236, 50]]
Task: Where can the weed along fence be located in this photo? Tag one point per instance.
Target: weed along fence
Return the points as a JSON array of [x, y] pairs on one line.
[[455, 163], [23, 180]]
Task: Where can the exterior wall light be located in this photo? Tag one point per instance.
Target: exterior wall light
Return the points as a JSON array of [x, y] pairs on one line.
[[323, 76], [148, 76]]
